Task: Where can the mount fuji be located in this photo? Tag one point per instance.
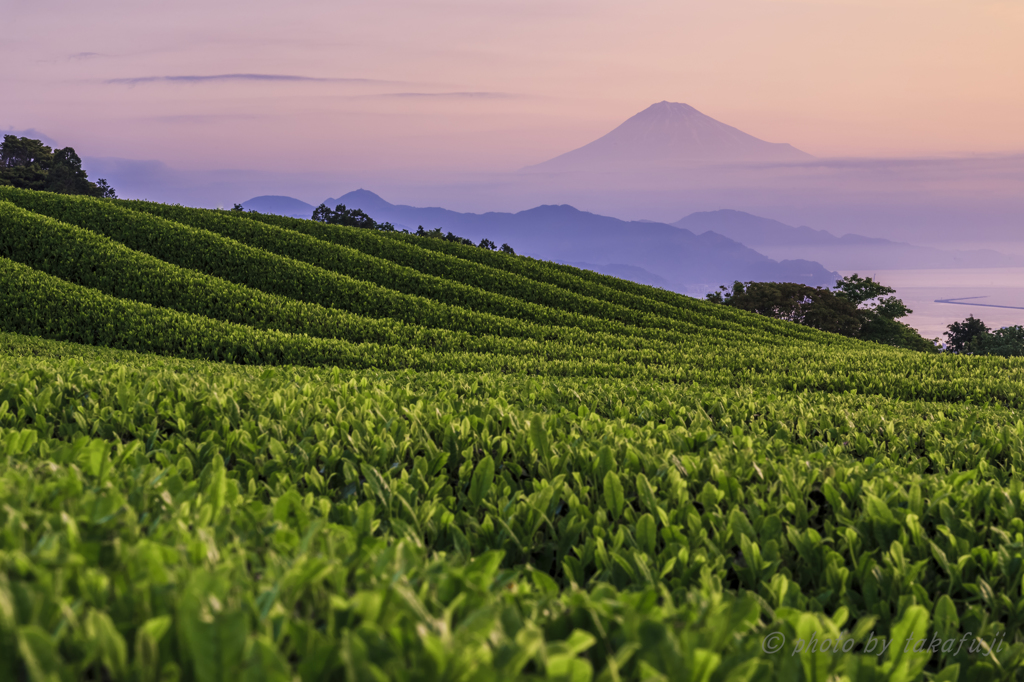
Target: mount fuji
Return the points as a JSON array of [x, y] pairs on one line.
[[670, 134]]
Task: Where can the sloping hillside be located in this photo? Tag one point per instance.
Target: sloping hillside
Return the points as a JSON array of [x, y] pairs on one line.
[[256, 447]]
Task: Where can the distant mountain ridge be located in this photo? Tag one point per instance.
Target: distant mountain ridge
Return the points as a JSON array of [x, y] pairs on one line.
[[667, 134], [686, 262], [631, 272], [848, 252]]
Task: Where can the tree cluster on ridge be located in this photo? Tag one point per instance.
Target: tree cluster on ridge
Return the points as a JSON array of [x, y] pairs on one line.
[[29, 164], [858, 307]]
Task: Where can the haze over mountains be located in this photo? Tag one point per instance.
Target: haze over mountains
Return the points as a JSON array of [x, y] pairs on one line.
[[669, 134], [654, 253], [669, 160], [668, 142], [848, 252], [703, 250]]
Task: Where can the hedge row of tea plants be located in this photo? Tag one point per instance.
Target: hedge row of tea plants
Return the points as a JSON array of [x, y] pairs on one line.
[[89, 259], [505, 281], [212, 253]]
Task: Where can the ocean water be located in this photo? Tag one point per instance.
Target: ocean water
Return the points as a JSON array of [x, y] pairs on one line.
[[971, 291]]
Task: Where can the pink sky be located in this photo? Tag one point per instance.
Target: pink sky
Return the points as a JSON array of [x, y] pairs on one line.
[[497, 85]]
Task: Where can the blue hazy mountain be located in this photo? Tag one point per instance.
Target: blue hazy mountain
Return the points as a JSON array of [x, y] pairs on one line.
[[622, 271], [670, 134], [685, 261], [278, 205], [848, 252]]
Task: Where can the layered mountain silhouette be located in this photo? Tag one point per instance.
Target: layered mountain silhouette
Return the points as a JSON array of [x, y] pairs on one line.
[[848, 252], [648, 252], [670, 134]]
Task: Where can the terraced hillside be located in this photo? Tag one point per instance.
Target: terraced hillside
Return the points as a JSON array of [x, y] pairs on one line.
[[252, 447]]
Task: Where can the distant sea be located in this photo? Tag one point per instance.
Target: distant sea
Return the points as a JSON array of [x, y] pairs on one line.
[[920, 289]]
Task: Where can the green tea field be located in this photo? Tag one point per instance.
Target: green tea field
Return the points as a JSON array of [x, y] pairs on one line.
[[245, 447]]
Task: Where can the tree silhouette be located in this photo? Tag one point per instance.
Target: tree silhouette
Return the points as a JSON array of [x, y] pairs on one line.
[[354, 217], [106, 191], [1007, 342], [858, 307], [961, 334], [29, 164]]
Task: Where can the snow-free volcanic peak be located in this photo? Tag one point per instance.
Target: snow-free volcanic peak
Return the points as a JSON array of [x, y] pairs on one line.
[[670, 134]]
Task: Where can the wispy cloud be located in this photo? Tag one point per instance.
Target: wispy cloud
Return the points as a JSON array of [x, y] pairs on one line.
[[86, 55], [257, 77], [202, 118], [466, 95]]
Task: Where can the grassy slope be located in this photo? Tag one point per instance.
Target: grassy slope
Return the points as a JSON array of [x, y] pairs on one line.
[[658, 501]]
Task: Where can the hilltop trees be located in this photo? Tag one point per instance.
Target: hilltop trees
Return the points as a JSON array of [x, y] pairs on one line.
[[1007, 342], [436, 233], [857, 306], [106, 191], [67, 176], [973, 337], [811, 306], [880, 313], [24, 163], [961, 334], [29, 164], [355, 217]]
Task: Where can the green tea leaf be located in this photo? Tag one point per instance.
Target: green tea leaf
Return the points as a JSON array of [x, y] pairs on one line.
[[480, 484], [614, 497], [646, 533]]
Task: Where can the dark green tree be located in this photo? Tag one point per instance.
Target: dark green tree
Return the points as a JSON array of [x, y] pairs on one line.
[[353, 217], [66, 175], [860, 290], [892, 332], [1007, 342], [880, 314], [436, 233], [505, 248], [106, 191], [25, 163], [961, 334], [800, 303], [857, 307], [30, 164]]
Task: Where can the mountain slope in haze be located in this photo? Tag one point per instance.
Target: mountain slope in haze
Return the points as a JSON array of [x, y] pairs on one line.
[[621, 271], [279, 205], [688, 263], [668, 134], [849, 252]]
